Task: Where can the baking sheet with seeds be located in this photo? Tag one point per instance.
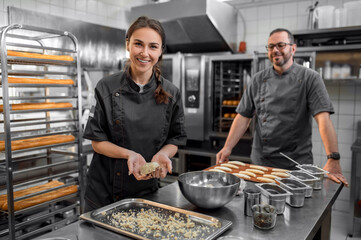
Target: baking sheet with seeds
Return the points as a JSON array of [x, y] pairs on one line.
[[243, 168], [119, 217]]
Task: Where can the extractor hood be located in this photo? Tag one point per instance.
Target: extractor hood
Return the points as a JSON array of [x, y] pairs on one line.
[[194, 26]]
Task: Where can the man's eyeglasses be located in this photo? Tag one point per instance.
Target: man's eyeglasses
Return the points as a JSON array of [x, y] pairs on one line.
[[279, 46]]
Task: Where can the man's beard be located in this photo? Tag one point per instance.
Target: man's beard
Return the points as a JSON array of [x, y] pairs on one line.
[[285, 58]]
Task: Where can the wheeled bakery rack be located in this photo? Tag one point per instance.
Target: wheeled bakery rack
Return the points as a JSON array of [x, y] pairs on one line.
[[34, 165]]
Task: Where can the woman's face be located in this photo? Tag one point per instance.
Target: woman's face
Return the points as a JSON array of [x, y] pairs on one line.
[[145, 48]]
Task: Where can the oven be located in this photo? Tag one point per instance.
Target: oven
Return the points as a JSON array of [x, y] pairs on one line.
[[193, 94], [171, 68]]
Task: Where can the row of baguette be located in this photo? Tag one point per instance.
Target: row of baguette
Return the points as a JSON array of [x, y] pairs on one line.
[[251, 172]]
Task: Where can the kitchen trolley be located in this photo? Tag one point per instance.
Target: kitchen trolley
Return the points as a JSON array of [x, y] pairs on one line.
[[41, 132]]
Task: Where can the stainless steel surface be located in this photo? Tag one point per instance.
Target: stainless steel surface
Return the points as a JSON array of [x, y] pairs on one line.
[[205, 226], [314, 171], [305, 178], [297, 188], [252, 196], [207, 189], [21, 168], [274, 195], [194, 26], [193, 94], [102, 46], [296, 223]]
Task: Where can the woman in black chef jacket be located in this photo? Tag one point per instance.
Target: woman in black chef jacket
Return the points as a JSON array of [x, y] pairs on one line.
[[138, 118]]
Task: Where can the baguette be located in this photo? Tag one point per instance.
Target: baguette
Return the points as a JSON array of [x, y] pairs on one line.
[[216, 170], [224, 168], [265, 180], [25, 203], [258, 167], [30, 190], [255, 171], [239, 163], [41, 105], [251, 174], [40, 56], [240, 175], [40, 81], [38, 141], [280, 174], [229, 165]]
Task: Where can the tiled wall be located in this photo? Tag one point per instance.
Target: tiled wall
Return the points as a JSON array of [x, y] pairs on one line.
[[254, 25], [106, 12], [346, 97]]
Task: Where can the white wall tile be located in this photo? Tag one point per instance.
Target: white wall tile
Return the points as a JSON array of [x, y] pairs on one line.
[[346, 122], [251, 27], [277, 11], [346, 107], [250, 13], [290, 23], [345, 136], [290, 9], [264, 26], [80, 15], [56, 10], [335, 120], [302, 7], [92, 7], [69, 13], [81, 5], [43, 7], [264, 12], [347, 91], [69, 4], [59, 3], [345, 150], [28, 4], [301, 22], [275, 23], [13, 3]]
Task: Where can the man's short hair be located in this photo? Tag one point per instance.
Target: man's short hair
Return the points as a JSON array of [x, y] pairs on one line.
[[290, 36]]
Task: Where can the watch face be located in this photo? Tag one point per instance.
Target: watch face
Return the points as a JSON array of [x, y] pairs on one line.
[[334, 155]]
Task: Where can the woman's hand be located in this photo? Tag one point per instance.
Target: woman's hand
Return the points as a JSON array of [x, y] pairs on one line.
[[135, 161], [165, 165]]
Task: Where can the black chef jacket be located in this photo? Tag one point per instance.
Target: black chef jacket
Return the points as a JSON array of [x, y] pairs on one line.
[[134, 121], [284, 106]]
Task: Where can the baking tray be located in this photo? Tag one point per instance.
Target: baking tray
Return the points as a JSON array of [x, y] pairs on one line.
[[206, 227]]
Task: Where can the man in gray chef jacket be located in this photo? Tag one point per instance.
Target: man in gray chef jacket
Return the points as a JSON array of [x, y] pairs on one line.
[[284, 98]]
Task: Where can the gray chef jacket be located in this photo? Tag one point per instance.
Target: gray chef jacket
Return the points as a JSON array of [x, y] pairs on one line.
[[133, 120], [284, 106]]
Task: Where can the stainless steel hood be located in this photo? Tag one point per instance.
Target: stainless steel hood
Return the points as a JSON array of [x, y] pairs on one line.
[[194, 26]]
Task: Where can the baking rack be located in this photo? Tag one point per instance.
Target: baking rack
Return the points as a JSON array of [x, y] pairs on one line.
[[24, 168]]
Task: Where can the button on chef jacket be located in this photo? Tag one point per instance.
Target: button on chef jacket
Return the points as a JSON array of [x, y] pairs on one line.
[[133, 120], [283, 106]]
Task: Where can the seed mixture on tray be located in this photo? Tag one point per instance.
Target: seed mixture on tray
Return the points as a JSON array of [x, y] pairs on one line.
[[158, 223]]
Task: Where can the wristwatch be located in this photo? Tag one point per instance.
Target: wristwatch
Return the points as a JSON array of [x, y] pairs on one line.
[[334, 156]]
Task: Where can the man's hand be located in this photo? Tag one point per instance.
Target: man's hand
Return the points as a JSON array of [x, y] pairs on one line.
[[223, 155], [335, 172], [165, 165], [135, 161]]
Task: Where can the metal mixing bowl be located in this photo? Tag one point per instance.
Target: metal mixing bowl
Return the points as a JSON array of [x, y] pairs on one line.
[[208, 189]]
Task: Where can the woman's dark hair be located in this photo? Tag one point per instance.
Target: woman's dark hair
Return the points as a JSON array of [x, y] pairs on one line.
[[161, 96]]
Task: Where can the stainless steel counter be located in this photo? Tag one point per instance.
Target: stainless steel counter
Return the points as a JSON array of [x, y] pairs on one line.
[[311, 221]]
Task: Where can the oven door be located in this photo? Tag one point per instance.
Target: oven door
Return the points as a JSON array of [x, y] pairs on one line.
[[171, 67]]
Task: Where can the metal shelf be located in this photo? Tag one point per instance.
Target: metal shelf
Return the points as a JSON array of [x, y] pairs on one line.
[[39, 164], [38, 85], [40, 47], [42, 110], [37, 61], [38, 73]]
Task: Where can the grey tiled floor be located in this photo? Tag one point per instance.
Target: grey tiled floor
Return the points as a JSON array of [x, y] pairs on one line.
[[339, 227]]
